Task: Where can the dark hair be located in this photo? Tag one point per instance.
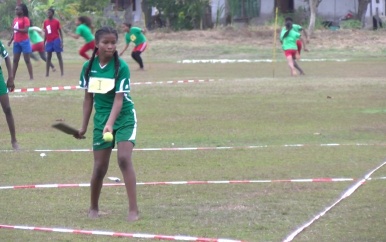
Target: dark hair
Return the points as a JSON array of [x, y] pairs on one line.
[[52, 10], [288, 26], [98, 35], [288, 19], [24, 9], [87, 21], [128, 25]]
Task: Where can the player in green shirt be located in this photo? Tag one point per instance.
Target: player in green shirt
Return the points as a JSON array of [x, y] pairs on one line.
[[84, 29], [301, 42], [135, 35], [37, 43], [106, 80], [5, 87], [288, 38]]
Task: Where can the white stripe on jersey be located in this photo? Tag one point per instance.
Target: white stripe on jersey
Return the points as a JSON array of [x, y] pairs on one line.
[[134, 134]]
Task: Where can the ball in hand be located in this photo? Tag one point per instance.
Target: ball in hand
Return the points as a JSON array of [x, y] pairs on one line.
[[108, 137]]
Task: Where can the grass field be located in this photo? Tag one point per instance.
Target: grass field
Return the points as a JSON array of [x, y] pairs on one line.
[[256, 110]]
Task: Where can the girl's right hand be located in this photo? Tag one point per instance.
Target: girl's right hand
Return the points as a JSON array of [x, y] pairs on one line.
[[80, 134]]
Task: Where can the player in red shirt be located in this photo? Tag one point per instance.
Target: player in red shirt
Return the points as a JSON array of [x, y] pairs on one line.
[[53, 40], [21, 43]]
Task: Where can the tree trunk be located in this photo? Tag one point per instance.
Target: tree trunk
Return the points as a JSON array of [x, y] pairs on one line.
[[313, 13], [362, 9], [146, 8], [227, 11], [129, 13]]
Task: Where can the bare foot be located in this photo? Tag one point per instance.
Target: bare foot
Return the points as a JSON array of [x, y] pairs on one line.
[[133, 216], [93, 214], [15, 145], [53, 69]]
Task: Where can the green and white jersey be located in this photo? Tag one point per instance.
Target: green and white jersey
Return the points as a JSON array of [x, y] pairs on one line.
[[84, 31], [104, 86], [135, 35], [3, 53], [34, 36], [289, 42], [297, 28]]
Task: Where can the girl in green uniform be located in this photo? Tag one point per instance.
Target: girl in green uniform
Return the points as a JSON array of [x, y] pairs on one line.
[[37, 42], [288, 38], [106, 80], [4, 99], [135, 35], [84, 29]]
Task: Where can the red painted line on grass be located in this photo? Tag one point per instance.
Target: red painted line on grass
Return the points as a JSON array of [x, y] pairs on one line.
[[61, 88], [117, 234]]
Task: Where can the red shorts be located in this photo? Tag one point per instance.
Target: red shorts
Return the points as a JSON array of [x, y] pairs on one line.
[[300, 45], [140, 47], [290, 53], [39, 47]]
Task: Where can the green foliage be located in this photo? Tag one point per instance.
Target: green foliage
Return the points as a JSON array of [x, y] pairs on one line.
[[251, 8], [182, 14], [351, 24], [65, 10], [7, 13]]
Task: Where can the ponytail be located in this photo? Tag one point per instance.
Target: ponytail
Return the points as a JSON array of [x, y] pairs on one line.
[[288, 26], [117, 65], [88, 70]]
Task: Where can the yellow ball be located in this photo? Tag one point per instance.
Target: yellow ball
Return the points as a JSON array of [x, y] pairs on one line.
[[108, 137]]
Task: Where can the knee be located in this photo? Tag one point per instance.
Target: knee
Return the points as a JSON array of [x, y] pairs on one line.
[[133, 55], [27, 60], [7, 111], [100, 172], [124, 163]]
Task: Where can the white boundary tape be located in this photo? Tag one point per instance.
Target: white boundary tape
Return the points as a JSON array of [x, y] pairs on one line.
[[345, 195], [224, 61], [61, 88], [116, 234], [118, 183], [211, 148]]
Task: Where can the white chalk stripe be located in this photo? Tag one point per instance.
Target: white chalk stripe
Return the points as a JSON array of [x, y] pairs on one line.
[[350, 191]]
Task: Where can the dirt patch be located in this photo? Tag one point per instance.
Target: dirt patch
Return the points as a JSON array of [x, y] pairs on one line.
[[264, 37]]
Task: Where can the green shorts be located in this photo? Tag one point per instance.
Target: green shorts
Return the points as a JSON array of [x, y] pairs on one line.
[[3, 85], [125, 129]]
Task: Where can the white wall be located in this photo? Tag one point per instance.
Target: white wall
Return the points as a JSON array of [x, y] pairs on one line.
[[381, 8], [138, 12], [215, 5], [332, 9], [267, 8]]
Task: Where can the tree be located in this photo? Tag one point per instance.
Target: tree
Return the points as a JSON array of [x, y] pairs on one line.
[[182, 14], [129, 11], [362, 8], [314, 4]]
